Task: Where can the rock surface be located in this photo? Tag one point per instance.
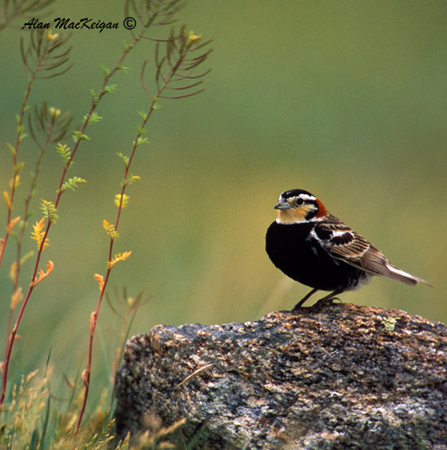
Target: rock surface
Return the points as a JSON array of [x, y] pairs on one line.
[[338, 377]]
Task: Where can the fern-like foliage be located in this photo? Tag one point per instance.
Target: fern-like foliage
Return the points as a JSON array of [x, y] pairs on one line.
[[130, 180], [49, 210], [79, 136], [14, 9], [117, 258], [124, 158], [45, 56], [38, 234], [64, 152], [72, 184], [176, 66], [48, 125], [100, 279], [110, 228], [151, 13], [7, 198], [43, 274], [94, 118], [122, 200]]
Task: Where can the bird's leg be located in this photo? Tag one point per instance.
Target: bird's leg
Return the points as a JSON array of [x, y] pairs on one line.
[[327, 299], [300, 303]]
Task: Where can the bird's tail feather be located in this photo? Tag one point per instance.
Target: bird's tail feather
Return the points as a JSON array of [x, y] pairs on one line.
[[399, 274]]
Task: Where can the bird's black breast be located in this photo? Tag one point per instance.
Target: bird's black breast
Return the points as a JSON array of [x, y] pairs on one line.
[[303, 259]]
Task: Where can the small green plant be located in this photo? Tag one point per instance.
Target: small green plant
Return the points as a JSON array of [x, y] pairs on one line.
[[389, 323], [27, 410]]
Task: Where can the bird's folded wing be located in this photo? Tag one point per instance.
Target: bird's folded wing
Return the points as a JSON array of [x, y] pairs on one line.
[[348, 246]]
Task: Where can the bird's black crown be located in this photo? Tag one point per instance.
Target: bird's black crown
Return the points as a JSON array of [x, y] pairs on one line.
[[295, 193]]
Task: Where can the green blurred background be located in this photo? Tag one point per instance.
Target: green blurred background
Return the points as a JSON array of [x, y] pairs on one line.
[[346, 99]]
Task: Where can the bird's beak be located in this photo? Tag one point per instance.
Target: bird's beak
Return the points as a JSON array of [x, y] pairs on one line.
[[282, 204]]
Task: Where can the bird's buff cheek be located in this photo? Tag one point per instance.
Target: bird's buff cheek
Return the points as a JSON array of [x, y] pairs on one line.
[[292, 215]]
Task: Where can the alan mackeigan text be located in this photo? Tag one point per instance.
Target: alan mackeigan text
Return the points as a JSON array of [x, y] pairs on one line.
[[68, 24]]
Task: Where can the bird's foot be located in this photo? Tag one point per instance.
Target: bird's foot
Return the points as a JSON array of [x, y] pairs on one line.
[[320, 304], [323, 302], [301, 302]]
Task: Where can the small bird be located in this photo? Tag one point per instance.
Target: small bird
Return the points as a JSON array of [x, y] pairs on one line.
[[317, 249]]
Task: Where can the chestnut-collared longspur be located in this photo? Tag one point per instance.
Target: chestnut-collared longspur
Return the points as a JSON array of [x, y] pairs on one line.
[[315, 248]]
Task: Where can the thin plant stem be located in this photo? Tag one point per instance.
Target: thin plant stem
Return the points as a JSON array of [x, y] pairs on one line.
[[16, 275], [95, 315]]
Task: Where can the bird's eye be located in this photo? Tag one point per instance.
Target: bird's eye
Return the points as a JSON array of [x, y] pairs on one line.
[[299, 201]]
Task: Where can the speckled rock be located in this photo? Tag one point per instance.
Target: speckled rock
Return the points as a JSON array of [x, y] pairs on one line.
[[341, 377]]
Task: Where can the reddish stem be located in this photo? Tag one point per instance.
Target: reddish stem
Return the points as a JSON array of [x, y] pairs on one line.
[[109, 269]]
